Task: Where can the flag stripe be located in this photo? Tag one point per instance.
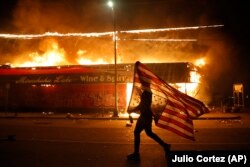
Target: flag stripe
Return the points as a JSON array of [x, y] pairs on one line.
[[192, 109], [176, 121], [176, 131], [191, 106], [176, 127], [175, 110]]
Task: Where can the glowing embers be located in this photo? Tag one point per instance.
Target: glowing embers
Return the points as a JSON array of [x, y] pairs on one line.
[[43, 85], [53, 34]]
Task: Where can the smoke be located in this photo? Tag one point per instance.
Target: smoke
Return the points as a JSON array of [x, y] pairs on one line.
[[38, 17], [41, 16]]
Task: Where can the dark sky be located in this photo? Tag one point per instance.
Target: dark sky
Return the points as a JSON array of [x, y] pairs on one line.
[[228, 65]]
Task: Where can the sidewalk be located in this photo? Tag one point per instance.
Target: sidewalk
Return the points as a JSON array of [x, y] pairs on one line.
[[53, 115], [220, 115]]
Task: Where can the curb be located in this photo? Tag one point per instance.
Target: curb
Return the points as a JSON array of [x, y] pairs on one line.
[[207, 116]]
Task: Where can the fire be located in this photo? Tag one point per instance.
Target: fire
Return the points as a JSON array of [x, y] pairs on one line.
[[171, 29], [200, 62], [53, 34], [53, 55], [129, 88], [192, 87], [85, 61], [94, 34], [194, 77]]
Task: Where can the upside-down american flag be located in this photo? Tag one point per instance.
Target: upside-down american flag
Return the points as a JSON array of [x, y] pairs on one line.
[[172, 109]]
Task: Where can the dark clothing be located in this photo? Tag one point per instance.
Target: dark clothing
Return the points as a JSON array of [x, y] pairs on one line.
[[144, 122], [145, 111]]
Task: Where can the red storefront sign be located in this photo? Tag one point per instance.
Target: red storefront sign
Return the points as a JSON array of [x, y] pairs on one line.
[[60, 89]]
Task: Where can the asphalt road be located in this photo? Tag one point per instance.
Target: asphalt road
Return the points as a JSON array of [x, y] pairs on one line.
[[82, 142]]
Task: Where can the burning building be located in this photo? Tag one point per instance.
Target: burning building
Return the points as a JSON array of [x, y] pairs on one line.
[[75, 71], [83, 88], [48, 69]]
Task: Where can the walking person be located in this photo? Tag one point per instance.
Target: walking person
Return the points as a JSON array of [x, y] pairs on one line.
[[144, 122]]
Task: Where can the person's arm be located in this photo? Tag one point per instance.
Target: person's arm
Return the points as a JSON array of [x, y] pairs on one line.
[[137, 108]]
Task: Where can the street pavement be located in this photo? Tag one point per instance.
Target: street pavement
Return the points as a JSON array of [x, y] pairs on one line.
[[49, 139]]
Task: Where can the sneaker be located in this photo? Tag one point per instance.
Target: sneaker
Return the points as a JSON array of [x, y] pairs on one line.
[[134, 156]]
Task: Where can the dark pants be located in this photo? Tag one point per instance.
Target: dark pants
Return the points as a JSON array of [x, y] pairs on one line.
[[145, 124]]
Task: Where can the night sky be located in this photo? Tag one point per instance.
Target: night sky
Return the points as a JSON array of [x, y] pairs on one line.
[[227, 46]]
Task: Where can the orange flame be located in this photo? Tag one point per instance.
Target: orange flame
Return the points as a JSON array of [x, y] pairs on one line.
[[85, 61], [53, 55], [200, 62]]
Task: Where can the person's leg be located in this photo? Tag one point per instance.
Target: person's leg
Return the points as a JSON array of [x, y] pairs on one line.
[[149, 132], [137, 132]]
